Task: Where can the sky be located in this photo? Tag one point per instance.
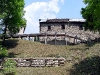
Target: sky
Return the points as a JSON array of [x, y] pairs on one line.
[[50, 9]]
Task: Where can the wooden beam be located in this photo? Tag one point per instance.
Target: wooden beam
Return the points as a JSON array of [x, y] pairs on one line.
[[66, 38], [76, 39], [55, 37]]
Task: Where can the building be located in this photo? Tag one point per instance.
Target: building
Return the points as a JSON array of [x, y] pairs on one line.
[[72, 27], [61, 25], [21, 31]]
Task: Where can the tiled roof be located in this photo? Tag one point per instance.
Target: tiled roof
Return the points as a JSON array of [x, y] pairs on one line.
[[57, 20], [62, 20], [77, 20]]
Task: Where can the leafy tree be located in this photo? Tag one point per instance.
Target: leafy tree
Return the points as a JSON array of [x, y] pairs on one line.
[[3, 52], [11, 16], [92, 14]]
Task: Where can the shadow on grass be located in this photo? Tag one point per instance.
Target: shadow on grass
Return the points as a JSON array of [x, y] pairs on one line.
[[89, 66], [1, 70], [11, 43], [57, 42], [12, 55], [81, 49], [52, 42]]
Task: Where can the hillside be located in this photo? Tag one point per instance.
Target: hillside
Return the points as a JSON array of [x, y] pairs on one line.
[[79, 58]]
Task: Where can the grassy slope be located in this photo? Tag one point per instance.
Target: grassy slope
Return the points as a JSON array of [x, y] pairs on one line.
[[72, 54]]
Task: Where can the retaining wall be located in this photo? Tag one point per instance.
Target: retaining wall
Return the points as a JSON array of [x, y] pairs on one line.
[[39, 62]]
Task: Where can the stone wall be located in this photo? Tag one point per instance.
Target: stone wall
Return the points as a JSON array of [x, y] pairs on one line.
[[39, 62], [56, 27], [71, 28]]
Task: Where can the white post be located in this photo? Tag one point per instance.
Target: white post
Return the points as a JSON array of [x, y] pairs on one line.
[[19, 37], [29, 38], [45, 38], [36, 39], [69, 39], [76, 39], [33, 39]]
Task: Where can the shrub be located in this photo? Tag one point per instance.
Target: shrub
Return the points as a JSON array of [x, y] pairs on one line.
[[9, 67], [3, 52]]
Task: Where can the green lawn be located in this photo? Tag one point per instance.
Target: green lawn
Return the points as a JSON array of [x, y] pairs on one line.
[[76, 57]]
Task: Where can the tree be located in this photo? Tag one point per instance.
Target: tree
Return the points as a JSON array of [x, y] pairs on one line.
[[92, 14], [11, 15]]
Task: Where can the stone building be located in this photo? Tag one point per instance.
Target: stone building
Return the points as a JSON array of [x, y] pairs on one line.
[[72, 27]]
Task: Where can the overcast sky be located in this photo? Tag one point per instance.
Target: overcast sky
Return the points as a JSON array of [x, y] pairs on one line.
[[43, 9]]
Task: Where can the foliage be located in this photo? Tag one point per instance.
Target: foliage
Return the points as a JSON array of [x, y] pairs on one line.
[[11, 15], [92, 14], [9, 66], [3, 52], [88, 66], [36, 39]]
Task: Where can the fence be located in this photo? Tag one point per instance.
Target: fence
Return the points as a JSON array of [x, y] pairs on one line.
[[36, 37]]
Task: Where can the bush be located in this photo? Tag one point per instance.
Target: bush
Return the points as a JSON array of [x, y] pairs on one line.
[[36, 39], [3, 52], [9, 67], [88, 66]]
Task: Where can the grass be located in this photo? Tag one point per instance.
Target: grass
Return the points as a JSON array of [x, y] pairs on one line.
[[74, 54]]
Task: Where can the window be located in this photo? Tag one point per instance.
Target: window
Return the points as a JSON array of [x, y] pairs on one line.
[[62, 26], [49, 27], [80, 27]]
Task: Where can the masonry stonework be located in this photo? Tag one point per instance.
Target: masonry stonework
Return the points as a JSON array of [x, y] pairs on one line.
[[72, 27]]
